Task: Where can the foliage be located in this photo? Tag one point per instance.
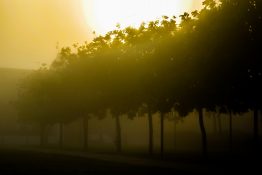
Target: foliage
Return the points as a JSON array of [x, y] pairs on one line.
[[211, 60]]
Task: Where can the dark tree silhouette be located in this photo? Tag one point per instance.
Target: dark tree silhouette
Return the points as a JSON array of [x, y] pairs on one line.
[[210, 61]]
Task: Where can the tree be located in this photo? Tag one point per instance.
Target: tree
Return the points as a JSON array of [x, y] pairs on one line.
[[210, 61], [35, 97]]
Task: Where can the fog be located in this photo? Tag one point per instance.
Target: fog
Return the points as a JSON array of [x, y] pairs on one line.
[[32, 31], [178, 94], [179, 135]]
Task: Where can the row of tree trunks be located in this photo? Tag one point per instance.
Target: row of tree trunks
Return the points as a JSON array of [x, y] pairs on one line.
[[118, 134], [43, 137], [202, 129]]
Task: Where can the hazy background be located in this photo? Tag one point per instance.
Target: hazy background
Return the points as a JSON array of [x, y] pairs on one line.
[[31, 33], [32, 30]]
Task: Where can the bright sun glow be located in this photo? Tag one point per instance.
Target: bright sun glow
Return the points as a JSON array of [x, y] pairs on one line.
[[103, 15]]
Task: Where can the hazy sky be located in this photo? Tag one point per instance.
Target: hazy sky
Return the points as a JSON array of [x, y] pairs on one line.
[[30, 30], [103, 14]]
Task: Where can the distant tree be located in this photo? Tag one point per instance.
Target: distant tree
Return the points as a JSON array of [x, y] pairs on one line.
[[35, 97]]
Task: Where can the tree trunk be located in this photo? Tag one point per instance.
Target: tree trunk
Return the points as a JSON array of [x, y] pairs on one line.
[[255, 125], [118, 134], [230, 132], [162, 135], [150, 132], [203, 132], [61, 135], [85, 134]]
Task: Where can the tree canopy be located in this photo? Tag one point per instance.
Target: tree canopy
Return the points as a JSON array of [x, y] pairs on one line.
[[211, 59]]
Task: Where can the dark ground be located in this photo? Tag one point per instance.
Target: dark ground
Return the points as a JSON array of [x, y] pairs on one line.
[[31, 162], [15, 161]]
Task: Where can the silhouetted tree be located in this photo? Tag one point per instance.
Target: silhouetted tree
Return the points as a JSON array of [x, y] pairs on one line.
[[210, 61]]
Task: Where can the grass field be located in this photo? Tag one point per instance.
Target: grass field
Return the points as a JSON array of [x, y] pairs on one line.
[[19, 161]]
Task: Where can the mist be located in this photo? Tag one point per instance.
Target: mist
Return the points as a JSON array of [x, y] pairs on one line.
[[32, 31], [175, 95]]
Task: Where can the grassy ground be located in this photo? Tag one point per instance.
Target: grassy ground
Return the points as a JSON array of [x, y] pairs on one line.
[[33, 162], [39, 161]]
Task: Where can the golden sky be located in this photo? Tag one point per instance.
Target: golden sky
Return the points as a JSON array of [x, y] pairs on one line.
[[104, 14], [30, 30]]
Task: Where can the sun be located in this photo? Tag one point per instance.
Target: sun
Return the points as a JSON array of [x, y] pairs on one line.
[[103, 15]]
